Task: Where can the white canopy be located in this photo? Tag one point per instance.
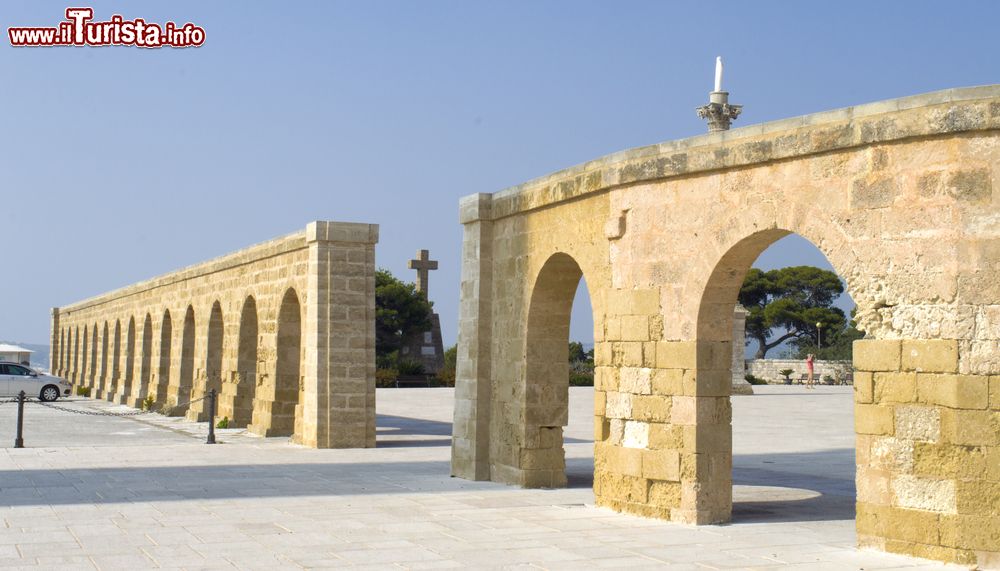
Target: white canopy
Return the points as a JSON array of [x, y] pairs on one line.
[[5, 348]]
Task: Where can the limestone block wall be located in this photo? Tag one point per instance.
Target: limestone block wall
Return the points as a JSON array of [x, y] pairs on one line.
[[928, 450], [283, 331], [770, 369], [901, 196]]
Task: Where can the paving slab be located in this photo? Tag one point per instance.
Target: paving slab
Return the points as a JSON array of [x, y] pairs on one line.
[[138, 492]]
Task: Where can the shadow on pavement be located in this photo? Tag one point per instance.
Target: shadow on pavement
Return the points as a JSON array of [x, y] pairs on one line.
[[388, 427], [786, 481]]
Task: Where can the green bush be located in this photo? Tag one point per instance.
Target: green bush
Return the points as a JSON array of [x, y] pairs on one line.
[[387, 361], [83, 391], [446, 377], [754, 380], [828, 380], [147, 403], [386, 378], [581, 379], [409, 367], [224, 423], [787, 373]]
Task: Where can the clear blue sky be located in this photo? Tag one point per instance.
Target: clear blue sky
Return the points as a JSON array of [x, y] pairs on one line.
[[118, 164]]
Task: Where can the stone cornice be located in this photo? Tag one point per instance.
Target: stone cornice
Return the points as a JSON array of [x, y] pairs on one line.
[[931, 114], [315, 231]]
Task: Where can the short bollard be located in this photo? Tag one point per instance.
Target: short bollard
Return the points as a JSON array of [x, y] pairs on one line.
[[19, 438], [211, 417]]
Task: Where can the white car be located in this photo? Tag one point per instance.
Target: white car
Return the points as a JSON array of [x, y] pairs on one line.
[[15, 378]]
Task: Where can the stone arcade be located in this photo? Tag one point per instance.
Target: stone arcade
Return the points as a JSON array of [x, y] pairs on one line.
[[901, 196], [284, 330]]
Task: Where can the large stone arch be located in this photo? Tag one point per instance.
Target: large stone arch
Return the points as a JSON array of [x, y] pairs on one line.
[[61, 371], [163, 367], [241, 387], [901, 196], [102, 378], [91, 381], [81, 377], [278, 403], [545, 395], [60, 354], [210, 377], [144, 372], [125, 388], [75, 368], [710, 457], [185, 381], [114, 380]]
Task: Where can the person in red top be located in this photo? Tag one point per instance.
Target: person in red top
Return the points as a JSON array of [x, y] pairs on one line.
[[809, 367]]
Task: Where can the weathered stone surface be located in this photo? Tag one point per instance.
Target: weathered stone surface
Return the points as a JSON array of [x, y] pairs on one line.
[[899, 197], [918, 423], [929, 494]]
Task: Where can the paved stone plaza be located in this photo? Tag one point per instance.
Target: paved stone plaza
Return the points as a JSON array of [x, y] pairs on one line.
[[145, 492]]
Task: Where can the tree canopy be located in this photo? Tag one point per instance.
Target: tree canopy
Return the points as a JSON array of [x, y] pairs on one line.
[[400, 311], [787, 303], [837, 346], [577, 354]]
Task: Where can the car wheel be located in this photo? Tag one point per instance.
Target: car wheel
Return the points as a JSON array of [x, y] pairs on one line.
[[49, 393]]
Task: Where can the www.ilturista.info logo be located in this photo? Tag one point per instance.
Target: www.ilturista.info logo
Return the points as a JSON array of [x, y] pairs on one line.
[[79, 30]]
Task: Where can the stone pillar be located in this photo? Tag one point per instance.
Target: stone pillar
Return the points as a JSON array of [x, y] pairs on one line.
[[740, 384], [470, 450], [642, 415], [339, 392], [928, 452], [57, 348]]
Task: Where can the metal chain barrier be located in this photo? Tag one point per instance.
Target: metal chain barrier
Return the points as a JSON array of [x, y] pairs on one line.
[[103, 413], [22, 398]]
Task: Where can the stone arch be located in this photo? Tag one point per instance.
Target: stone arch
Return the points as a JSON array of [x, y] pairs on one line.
[[75, 368], [92, 373], [116, 359], [126, 387], [186, 379], [711, 455], [213, 358], [284, 407], [545, 399], [102, 381], [61, 353], [81, 377], [141, 389], [64, 352], [244, 379], [210, 377], [163, 368]]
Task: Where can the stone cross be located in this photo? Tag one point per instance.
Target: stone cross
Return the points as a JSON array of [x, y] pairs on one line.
[[422, 264]]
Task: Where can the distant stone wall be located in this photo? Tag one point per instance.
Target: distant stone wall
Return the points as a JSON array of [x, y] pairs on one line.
[[769, 369], [284, 331]]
